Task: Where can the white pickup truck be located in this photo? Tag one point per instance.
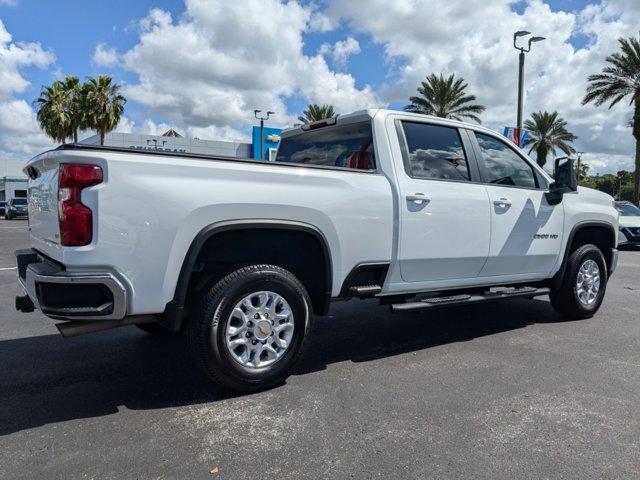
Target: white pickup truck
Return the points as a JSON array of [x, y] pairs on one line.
[[418, 212]]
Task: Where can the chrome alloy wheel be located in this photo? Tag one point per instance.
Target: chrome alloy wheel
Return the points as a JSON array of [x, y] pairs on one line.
[[588, 282], [259, 329]]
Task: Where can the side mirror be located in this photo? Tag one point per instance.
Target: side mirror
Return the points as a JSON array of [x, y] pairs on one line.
[[565, 180]]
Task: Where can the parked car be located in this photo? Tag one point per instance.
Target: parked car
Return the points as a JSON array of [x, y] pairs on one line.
[[2, 207], [416, 211], [16, 207], [629, 222]]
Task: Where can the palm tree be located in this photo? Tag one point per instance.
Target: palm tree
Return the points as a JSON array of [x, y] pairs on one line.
[[548, 133], [445, 97], [53, 113], [75, 104], [103, 104], [315, 112], [620, 79]]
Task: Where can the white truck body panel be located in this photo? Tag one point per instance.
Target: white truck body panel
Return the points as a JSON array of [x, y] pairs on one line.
[[526, 232], [144, 238]]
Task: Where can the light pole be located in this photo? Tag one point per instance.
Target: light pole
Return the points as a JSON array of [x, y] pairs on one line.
[[522, 33], [262, 119]]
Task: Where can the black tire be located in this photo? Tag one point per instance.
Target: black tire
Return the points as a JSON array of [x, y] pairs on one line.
[[156, 329], [207, 327], [565, 298]]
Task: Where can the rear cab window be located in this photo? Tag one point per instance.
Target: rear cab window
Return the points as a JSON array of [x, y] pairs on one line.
[[341, 146]]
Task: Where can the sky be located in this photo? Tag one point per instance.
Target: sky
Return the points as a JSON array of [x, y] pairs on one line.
[[203, 66]]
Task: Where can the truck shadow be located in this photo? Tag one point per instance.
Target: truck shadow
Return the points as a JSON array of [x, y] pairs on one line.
[[49, 379]]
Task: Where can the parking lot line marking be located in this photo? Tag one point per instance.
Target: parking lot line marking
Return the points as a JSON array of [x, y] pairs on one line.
[[7, 268]]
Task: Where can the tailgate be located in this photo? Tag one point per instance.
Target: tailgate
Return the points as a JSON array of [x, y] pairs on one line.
[[43, 202]]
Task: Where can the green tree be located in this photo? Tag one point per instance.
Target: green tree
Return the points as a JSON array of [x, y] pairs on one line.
[[315, 112], [445, 97], [53, 113], [583, 172], [103, 105], [618, 80], [75, 104], [548, 133]]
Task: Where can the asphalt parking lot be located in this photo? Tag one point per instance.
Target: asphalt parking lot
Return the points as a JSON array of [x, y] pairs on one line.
[[500, 391]]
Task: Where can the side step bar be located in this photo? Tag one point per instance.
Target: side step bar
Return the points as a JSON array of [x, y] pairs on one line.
[[365, 291], [470, 299], [80, 327]]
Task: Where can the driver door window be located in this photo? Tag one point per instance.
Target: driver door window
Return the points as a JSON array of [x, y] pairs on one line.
[[501, 165]]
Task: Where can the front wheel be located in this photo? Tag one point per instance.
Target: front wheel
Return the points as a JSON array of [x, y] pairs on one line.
[[583, 286], [251, 327]]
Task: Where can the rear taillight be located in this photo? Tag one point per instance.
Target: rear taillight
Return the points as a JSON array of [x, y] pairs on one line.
[[75, 218]]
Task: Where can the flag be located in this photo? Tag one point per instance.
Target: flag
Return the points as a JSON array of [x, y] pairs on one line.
[[511, 134]]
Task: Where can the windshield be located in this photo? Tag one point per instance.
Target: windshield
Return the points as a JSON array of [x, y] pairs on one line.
[[346, 146], [628, 210], [19, 201]]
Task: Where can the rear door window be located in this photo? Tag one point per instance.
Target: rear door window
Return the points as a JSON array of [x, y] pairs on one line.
[[435, 152]]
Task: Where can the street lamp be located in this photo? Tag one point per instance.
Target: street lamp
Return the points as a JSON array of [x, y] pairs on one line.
[[518, 34], [262, 119]]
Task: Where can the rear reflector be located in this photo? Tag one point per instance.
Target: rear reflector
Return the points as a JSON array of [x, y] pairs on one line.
[[75, 218]]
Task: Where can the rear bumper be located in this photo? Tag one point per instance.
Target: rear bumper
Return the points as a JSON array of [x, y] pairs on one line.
[[70, 296]]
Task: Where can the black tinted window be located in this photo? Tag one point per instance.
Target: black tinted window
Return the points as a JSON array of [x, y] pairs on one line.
[[348, 146], [502, 165], [625, 209], [19, 201], [435, 152]]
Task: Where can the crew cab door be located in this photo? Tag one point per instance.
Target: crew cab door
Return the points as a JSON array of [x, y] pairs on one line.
[[445, 218], [526, 232]]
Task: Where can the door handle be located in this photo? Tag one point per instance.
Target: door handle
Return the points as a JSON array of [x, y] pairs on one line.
[[418, 198], [502, 202]]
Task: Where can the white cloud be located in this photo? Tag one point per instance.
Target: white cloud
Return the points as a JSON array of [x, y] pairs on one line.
[[105, 56], [211, 132], [10, 3], [341, 50], [20, 135], [319, 22], [421, 37], [126, 125], [219, 61]]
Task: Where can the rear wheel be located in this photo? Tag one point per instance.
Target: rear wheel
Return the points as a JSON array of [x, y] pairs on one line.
[[583, 286], [251, 327]]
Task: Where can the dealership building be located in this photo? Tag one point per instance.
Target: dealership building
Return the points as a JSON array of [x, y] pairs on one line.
[[13, 183], [172, 141], [13, 187]]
